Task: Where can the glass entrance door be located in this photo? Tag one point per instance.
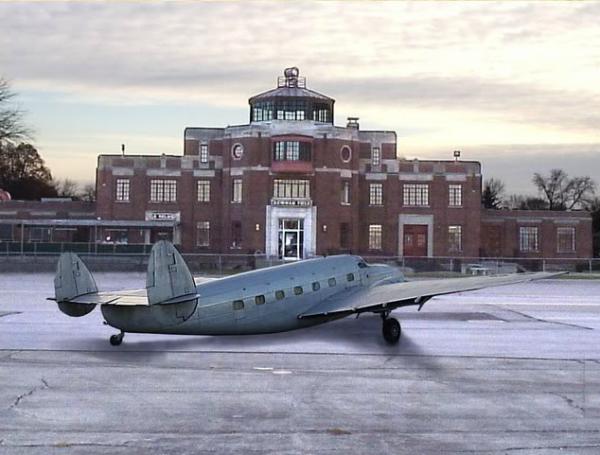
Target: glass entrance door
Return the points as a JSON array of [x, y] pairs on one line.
[[291, 239]]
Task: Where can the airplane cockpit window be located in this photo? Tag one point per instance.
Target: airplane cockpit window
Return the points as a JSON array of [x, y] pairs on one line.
[[279, 295], [238, 304], [259, 299], [298, 290], [331, 282], [350, 277], [316, 286], [362, 265]]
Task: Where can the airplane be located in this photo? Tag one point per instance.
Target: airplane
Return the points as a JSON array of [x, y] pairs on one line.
[[273, 299]]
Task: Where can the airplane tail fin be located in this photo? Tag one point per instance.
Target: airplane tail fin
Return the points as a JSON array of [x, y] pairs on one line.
[[168, 279], [73, 279]]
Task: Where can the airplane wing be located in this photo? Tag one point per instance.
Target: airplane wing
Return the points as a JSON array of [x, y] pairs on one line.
[[388, 297]]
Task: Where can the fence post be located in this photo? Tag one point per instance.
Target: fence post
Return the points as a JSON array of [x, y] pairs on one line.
[[220, 265], [543, 265], [590, 265]]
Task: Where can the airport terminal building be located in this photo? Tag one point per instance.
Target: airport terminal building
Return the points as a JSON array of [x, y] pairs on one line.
[[291, 184]]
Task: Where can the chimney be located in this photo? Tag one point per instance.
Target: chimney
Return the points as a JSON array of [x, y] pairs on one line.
[[352, 123]]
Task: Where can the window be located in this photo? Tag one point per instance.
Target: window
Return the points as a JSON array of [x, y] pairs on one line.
[[362, 265], [236, 194], [122, 190], [375, 231], [375, 156], [346, 154], [345, 193], [416, 194], [298, 290], [291, 189], [237, 151], [528, 239], [316, 286], [203, 233], [6, 232], [236, 233], [454, 238], [204, 153], [344, 235], [203, 190], [259, 299], [238, 305], [331, 282], [565, 239], [376, 194], [291, 151], [350, 277], [279, 295], [163, 190], [455, 195]]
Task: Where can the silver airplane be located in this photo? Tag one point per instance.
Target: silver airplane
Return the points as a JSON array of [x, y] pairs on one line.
[[274, 299]]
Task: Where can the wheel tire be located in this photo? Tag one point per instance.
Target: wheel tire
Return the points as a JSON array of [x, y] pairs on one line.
[[116, 340], [391, 330]]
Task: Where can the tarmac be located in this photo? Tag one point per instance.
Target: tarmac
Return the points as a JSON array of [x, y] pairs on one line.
[[508, 370]]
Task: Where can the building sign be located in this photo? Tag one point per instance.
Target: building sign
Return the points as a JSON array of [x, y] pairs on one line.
[[152, 215]]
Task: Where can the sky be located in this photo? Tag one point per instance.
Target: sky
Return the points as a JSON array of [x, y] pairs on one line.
[[514, 85]]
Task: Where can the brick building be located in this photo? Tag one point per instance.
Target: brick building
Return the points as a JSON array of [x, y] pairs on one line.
[[291, 184]]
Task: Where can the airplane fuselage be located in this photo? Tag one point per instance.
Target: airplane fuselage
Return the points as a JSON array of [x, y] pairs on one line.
[[260, 301]]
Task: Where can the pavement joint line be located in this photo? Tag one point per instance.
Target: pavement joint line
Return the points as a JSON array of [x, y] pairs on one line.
[[322, 354]]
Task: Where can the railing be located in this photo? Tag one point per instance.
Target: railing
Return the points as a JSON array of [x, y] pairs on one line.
[[230, 263]]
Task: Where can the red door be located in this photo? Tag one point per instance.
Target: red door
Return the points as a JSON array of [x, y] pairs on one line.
[[415, 240]]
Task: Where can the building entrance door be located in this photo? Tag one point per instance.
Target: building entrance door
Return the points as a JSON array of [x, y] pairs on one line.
[[415, 240], [291, 239]]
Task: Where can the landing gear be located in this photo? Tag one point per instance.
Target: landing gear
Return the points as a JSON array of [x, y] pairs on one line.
[[391, 329], [116, 340]]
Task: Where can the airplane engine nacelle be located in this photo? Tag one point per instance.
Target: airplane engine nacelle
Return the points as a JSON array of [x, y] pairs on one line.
[[75, 310]]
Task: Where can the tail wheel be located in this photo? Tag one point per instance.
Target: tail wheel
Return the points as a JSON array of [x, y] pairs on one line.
[[116, 340], [391, 330]]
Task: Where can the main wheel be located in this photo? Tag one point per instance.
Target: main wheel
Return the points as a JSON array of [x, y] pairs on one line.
[[391, 330], [116, 340]]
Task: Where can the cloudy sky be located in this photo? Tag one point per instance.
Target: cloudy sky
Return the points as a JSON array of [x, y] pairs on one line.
[[515, 85]]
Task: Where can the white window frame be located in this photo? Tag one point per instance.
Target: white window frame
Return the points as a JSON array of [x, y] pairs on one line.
[[375, 236], [376, 194], [204, 227], [455, 195], [415, 194], [122, 190], [345, 192], [162, 190], [203, 190], [204, 153], [564, 230], [236, 191], [376, 156], [529, 239], [455, 244]]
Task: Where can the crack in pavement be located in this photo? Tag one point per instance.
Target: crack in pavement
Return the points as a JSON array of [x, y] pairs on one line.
[[570, 402], [528, 316], [29, 393]]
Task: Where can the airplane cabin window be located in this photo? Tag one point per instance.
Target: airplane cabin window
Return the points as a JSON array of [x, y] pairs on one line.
[[279, 295], [316, 286], [238, 304], [350, 277], [362, 265], [331, 282], [259, 299], [298, 290]]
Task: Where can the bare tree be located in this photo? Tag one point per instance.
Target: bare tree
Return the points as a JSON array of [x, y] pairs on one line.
[[493, 194], [67, 188], [562, 192], [88, 193], [12, 127]]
